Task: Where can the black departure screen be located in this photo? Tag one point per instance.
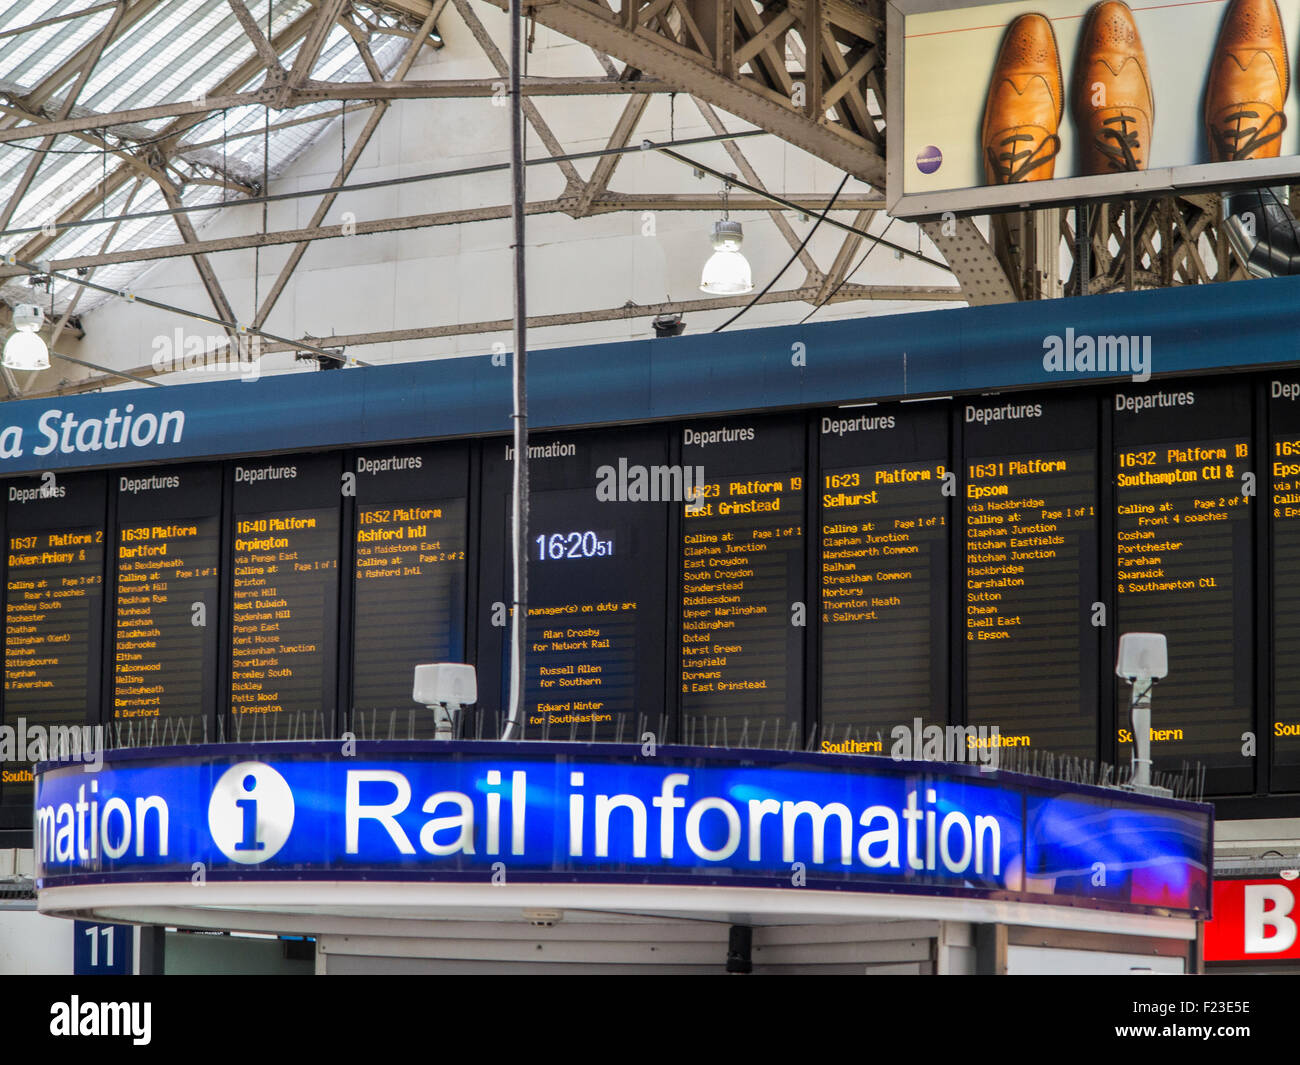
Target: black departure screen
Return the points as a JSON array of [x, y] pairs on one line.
[[884, 537], [409, 589], [743, 598], [1184, 563], [960, 573], [54, 602], [1030, 547], [166, 581], [597, 549], [1284, 486], [284, 609]]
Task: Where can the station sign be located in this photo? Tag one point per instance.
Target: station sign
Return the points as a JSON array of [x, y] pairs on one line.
[[1254, 920], [492, 812]]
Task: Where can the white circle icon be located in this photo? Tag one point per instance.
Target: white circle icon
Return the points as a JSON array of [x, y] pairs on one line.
[[250, 813]]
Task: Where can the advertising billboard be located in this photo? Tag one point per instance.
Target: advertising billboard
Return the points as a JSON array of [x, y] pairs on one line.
[[1021, 104], [1254, 920]]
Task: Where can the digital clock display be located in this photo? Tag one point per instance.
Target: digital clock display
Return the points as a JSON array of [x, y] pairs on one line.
[[581, 545]]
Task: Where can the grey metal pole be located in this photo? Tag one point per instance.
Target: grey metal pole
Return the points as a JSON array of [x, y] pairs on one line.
[[1083, 246], [519, 507], [1140, 715]]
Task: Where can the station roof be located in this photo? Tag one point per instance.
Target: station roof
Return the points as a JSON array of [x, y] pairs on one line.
[[71, 58]]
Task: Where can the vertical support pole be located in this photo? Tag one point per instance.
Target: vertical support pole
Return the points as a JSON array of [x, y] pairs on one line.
[[991, 949], [1167, 208], [1047, 254], [519, 501], [717, 22], [724, 58], [1130, 240], [740, 947], [1082, 247], [1140, 712], [812, 42], [152, 951]]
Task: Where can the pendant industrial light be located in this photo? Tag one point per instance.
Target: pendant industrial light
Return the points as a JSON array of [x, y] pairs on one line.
[[727, 272], [25, 350]]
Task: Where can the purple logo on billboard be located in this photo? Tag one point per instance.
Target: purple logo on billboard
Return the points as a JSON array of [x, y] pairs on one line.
[[928, 159]]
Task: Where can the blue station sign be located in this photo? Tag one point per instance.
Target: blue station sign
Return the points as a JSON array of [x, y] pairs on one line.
[[937, 353], [613, 814]]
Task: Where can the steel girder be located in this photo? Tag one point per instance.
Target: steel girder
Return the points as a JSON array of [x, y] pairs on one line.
[[732, 54]]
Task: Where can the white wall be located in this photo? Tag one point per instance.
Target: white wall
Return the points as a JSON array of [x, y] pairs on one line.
[[32, 944], [460, 274], [1050, 961], [630, 945]]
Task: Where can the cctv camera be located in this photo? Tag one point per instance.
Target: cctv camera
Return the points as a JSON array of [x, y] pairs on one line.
[[445, 684], [1142, 654]]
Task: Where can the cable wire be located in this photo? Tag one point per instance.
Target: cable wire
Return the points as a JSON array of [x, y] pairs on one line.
[[876, 242], [735, 182], [804, 243], [144, 301]]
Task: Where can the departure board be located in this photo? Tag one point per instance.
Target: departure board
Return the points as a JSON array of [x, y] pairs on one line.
[[883, 571], [973, 560], [743, 598], [600, 505], [408, 596], [1284, 488], [1184, 567], [54, 601], [284, 598], [1030, 554], [166, 582]]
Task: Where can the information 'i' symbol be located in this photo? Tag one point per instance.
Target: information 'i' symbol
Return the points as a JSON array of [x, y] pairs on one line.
[[249, 842], [251, 812]]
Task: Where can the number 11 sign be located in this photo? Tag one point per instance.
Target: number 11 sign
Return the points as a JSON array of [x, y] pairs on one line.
[[103, 949]]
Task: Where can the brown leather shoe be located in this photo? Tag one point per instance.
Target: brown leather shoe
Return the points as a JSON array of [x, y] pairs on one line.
[[1113, 104], [1023, 111], [1248, 83]]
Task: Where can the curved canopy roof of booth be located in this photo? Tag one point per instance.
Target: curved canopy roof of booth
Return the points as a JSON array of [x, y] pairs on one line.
[[300, 836]]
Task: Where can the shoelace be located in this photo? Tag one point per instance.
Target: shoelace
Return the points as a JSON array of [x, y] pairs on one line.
[[1011, 166], [1120, 154], [1240, 141]]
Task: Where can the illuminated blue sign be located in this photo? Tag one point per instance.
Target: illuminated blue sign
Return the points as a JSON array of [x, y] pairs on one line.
[[471, 811]]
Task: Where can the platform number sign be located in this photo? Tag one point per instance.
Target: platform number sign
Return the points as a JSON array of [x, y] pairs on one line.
[[103, 949]]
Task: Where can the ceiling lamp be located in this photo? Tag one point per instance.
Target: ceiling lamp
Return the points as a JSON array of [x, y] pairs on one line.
[[25, 350], [727, 272]]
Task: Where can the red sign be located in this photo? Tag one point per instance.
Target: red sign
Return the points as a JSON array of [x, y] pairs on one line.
[[1254, 920]]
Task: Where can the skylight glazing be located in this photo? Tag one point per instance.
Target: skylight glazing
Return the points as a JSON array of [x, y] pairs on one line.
[[162, 51]]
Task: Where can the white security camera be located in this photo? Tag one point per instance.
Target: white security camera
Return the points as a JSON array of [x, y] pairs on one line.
[[1142, 654], [445, 688]]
